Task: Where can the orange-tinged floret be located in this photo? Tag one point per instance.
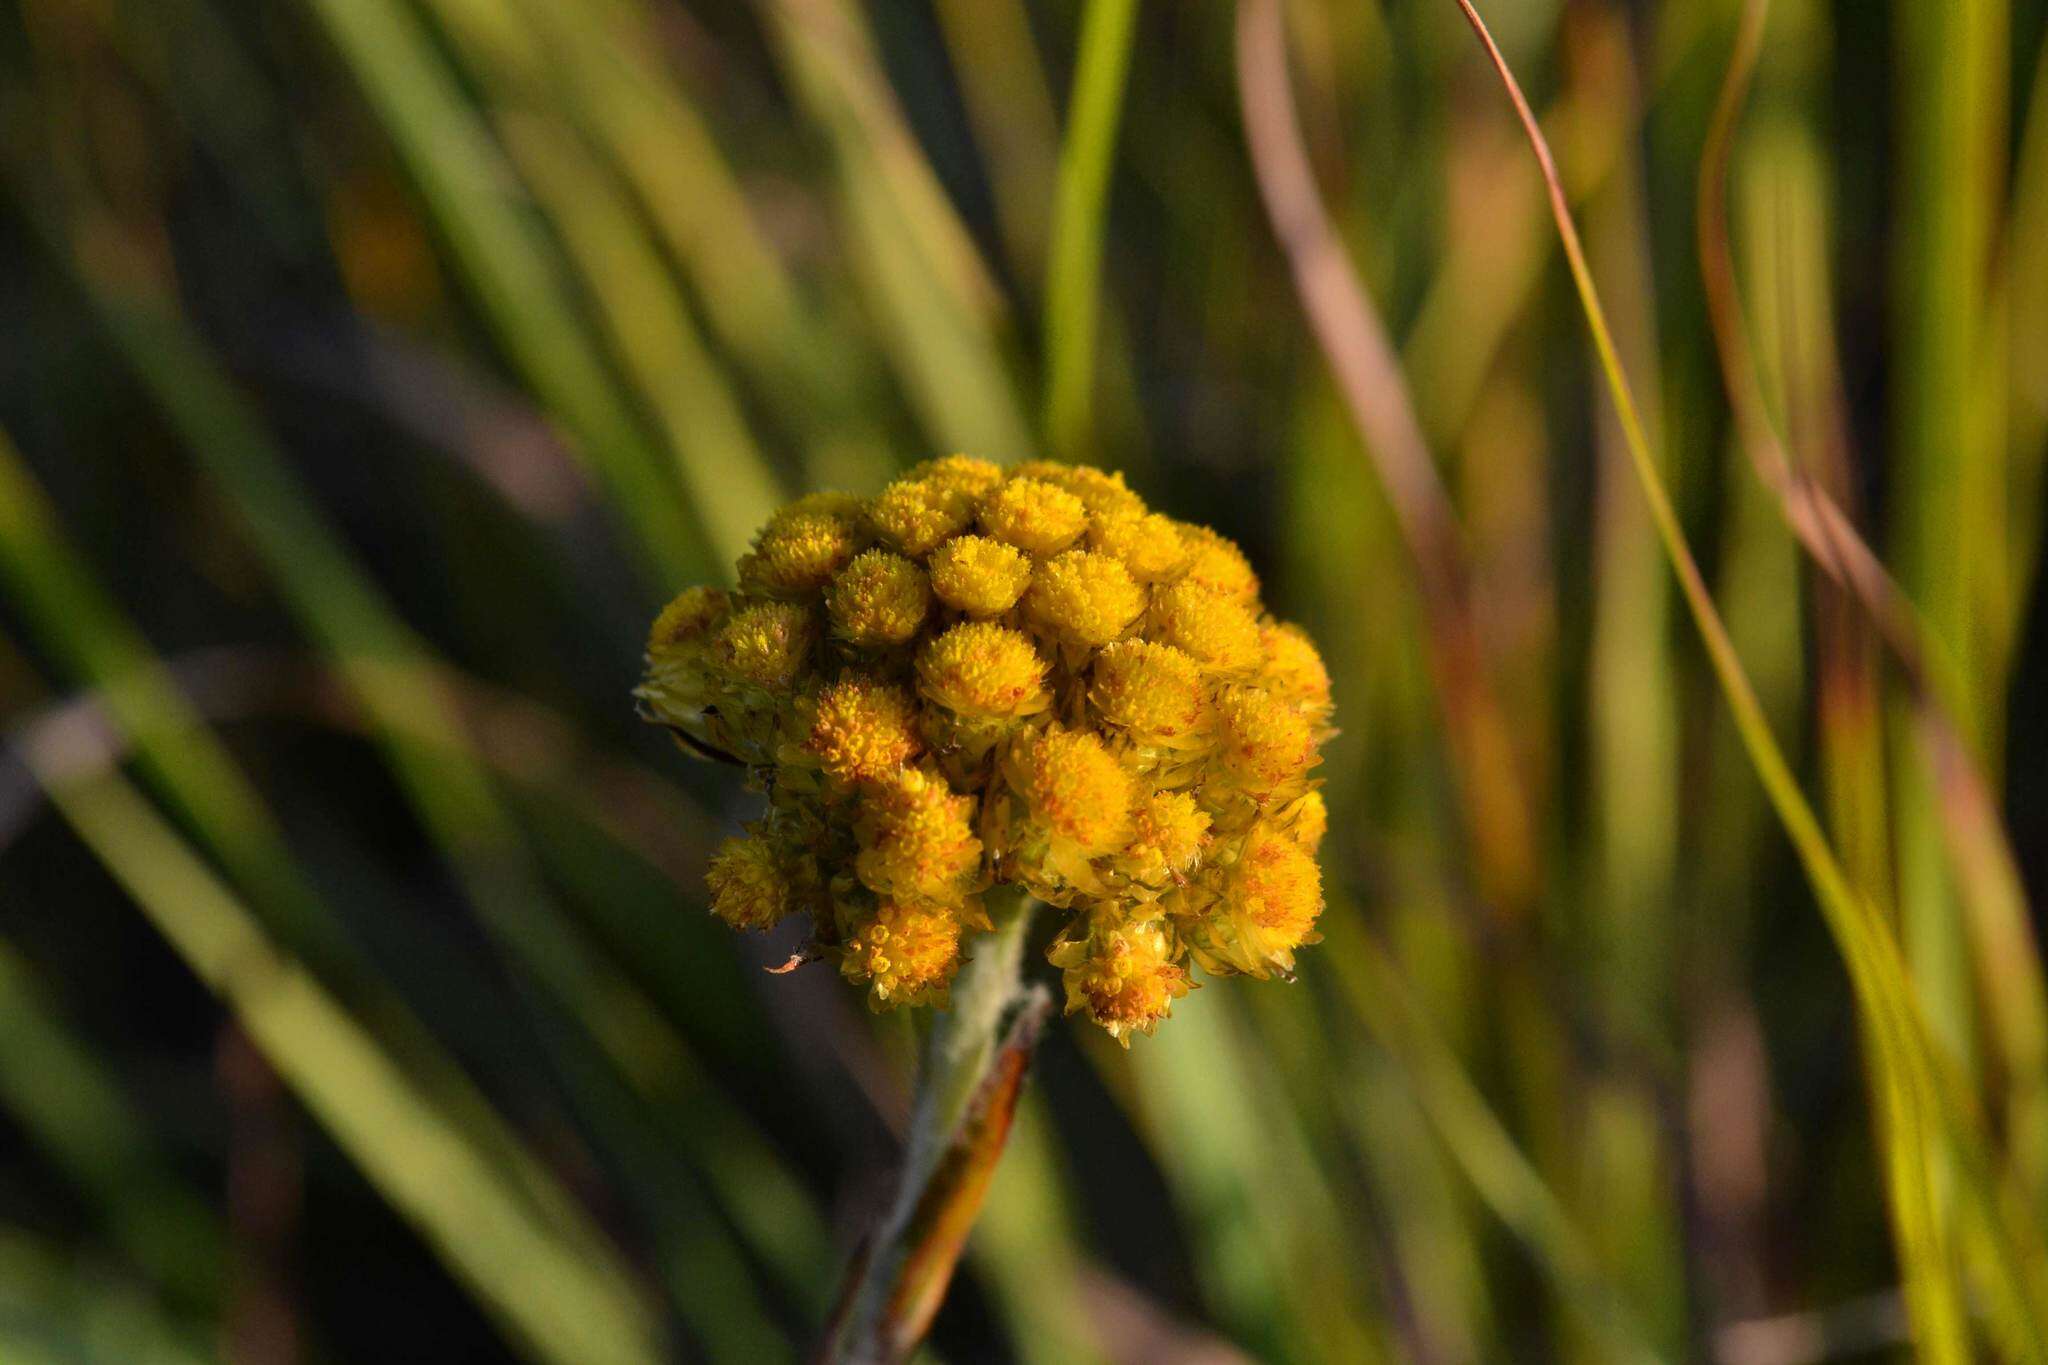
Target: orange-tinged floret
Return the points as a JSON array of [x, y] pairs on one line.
[[906, 954], [1216, 562], [984, 671], [801, 548], [1070, 782], [1275, 890], [1153, 691], [1263, 743], [979, 576], [863, 730], [917, 515], [1101, 491], [751, 882], [1083, 598], [1034, 515], [1123, 975], [1217, 630], [766, 644], [1150, 545], [880, 599], [1294, 667], [1169, 834], [917, 839], [976, 478]]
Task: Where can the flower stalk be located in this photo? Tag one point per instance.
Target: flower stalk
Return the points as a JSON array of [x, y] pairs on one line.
[[969, 1076]]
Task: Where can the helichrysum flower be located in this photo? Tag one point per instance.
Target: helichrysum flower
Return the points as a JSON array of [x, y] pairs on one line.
[[1123, 972], [878, 600], [862, 730], [983, 678], [1034, 515], [1083, 598], [979, 576]]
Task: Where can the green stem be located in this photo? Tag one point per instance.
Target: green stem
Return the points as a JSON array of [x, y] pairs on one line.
[[951, 1149]]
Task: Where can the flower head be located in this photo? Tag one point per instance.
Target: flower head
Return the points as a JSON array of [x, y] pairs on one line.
[[863, 730], [919, 515], [1214, 627], [979, 576], [1022, 681], [880, 599], [1084, 598], [984, 672], [1035, 516], [906, 954], [754, 882], [1124, 974], [800, 549]]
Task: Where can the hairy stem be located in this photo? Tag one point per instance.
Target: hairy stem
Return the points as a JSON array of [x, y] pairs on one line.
[[967, 1085]]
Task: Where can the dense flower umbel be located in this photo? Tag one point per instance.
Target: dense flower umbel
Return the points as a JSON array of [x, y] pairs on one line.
[[983, 678]]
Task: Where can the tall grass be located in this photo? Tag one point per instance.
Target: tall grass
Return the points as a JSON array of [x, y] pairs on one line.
[[316, 681]]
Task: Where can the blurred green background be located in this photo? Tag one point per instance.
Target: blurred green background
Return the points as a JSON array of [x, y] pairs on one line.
[[372, 370]]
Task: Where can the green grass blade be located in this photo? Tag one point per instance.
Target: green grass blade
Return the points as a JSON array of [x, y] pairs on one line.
[[1080, 204], [1918, 1106], [549, 1292], [463, 180]]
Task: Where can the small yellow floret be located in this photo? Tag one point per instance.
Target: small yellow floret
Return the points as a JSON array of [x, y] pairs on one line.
[[687, 619], [1102, 492], [916, 515], [766, 644], [1034, 515], [1308, 820], [1083, 598], [1276, 889], [984, 671], [1216, 630], [1294, 668], [1155, 692], [1124, 976], [917, 839], [1072, 783], [1264, 743], [863, 730], [1218, 563], [907, 954], [1168, 837], [977, 478], [750, 883], [879, 600], [801, 547], [979, 576], [1150, 545]]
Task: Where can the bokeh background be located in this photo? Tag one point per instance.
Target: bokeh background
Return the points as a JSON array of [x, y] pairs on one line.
[[372, 370]]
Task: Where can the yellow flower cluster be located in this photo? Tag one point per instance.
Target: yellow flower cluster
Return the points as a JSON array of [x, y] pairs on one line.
[[984, 678]]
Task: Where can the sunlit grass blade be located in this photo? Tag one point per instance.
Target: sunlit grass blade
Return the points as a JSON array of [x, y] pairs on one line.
[[1917, 1102], [1481, 1147], [723, 472], [92, 1132], [2000, 934], [384, 663], [939, 310], [58, 1308], [558, 1300], [1081, 202], [465, 183], [1003, 84], [177, 753]]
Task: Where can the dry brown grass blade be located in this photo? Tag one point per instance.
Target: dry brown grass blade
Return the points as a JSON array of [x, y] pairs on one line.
[[1368, 376], [2001, 931]]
